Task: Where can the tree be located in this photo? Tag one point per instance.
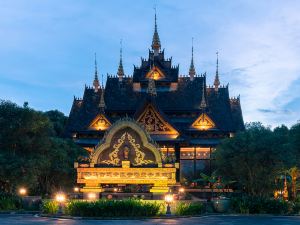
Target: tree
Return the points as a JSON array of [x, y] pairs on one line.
[[58, 121], [254, 158], [31, 153]]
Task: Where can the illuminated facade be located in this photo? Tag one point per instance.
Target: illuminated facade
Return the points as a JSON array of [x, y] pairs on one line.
[[174, 122]]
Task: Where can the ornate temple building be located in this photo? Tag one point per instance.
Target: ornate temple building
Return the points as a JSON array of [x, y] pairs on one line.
[[152, 119]]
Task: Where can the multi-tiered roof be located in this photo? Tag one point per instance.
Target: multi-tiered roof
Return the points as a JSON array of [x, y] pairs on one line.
[[197, 112]]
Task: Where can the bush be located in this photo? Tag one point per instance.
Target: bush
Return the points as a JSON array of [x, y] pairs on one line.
[[184, 209], [257, 205], [113, 208], [10, 202], [50, 207]]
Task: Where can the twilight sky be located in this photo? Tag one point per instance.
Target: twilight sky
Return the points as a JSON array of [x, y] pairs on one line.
[[47, 48]]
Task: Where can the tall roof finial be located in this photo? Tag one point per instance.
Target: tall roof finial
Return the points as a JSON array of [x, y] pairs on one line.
[[151, 86], [96, 80], [217, 81], [102, 102], [203, 101], [192, 71], [120, 69], [155, 40]]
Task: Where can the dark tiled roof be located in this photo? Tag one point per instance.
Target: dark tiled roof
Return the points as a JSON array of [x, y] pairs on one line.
[[181, 105]]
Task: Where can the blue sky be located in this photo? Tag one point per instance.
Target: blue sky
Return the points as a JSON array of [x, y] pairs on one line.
[[47, 48]]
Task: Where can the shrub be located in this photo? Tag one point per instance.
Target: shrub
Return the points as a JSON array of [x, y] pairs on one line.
[[184, 209], [113, 208], [256, 205], [10, 202], [50, 207]]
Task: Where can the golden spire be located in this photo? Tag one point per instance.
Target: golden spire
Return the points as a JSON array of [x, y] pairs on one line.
[[192, 71], [217, 81], [203, 101], [102, 102], [96, 81], [155, 40], [120, 69]]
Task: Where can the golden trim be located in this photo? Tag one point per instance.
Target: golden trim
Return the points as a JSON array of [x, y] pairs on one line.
[[203, 122], [155, 73], [118, 126], [100, 123], [154, 123]]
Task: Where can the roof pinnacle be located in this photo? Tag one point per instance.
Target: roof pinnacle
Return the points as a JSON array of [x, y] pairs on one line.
[[192, 71], [151, 85], [120, 69], [217, 81], [155, 40], [203, 104], [102, 102], [96, 80]]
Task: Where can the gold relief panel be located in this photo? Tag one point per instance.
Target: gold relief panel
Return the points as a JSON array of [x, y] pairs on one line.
[[100, 123], [126, 140], [154, 123], [203, 122], [155, 73], [126, 146], [126, 175]]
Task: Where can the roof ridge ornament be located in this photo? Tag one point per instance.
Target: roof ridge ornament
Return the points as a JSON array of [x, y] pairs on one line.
[[192, 71], [217, 81], [151, 85], [155, 40], [203, 104], [102, 101], [120, 69], [96, 84]]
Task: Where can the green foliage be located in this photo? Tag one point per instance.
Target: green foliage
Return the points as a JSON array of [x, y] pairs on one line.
[[113, 208], [254, 158], [10, 202], [257, 205], [58, 120], [31, 153], [50, 207], [187, 209]]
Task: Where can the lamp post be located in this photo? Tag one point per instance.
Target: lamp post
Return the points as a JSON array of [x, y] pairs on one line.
[[60, 198], [76, 191], [169, 199], [22, 191], [92, 196], [181, 190]]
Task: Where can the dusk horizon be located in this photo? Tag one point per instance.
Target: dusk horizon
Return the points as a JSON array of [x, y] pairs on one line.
[[47, 50]]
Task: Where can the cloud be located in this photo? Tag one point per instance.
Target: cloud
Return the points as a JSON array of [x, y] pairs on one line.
[[49, 48]]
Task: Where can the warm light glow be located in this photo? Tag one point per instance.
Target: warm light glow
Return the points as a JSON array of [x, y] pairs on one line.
[[169, 198], [60, 197], [100, 123], [203, 122], [115, 189], [22, 191], [92, 196], [155, 74], [76, 189], [181, 190]]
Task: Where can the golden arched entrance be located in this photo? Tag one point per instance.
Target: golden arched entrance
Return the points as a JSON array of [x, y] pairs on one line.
[[126, 155]]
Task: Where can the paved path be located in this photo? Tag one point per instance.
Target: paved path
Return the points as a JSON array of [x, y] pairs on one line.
[[206, 220]]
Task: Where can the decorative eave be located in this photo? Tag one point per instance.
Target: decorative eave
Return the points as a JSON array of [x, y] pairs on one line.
[[154, 120], [203, 122], [101, 122]]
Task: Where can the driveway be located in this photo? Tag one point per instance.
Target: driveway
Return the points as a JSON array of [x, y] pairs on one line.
[[205, 220]]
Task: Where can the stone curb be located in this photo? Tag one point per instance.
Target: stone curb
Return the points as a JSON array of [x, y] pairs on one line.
[[118, 218], [161, 217]]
